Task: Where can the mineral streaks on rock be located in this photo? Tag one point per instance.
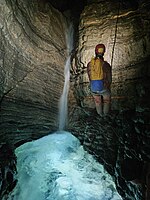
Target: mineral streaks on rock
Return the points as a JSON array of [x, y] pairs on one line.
[[127, 30], [32, 55]]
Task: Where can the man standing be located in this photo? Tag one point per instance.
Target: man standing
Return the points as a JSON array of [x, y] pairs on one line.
[[100, 76]]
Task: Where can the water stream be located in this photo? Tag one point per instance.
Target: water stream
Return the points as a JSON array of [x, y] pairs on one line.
[[56, 167], [63, 105]]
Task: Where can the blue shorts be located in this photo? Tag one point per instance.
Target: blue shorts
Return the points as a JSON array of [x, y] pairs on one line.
[[97, 85]]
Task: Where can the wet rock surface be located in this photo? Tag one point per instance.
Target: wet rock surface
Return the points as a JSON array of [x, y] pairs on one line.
[[112, 139], [7, 169], [124, 28], [32, 58]]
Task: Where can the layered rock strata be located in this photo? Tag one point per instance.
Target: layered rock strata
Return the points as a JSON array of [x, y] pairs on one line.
[[113, 139], [32, 59], [124, 28]]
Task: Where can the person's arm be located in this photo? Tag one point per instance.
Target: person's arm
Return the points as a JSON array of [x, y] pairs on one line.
[[107, 75]]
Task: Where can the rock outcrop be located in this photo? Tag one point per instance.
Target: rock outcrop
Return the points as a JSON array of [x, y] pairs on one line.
[[32, 58], [33, 52], [124, 28], [113, 139]]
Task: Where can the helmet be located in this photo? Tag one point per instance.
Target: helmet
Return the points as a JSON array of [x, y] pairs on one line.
[[100, 49]]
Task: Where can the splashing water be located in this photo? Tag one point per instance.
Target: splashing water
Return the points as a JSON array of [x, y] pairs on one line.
[[56, 167], [63, 105]]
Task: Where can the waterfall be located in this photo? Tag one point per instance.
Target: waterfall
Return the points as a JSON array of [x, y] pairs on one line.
[[63, 104], [56, 167]]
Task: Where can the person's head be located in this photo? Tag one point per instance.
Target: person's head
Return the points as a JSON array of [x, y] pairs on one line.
[[99, 50]]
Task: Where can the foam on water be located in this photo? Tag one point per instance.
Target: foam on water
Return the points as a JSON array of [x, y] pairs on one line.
[[56, 167]]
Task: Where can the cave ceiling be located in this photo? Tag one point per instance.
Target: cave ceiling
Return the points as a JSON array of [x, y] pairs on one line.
[[78, 5]]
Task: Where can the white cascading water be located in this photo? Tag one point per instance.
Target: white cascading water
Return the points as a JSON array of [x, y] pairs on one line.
[[63, 104], [56, 167]]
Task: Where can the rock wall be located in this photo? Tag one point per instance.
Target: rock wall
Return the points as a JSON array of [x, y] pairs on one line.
[[32, 58], [126, 35], [113, 139], [124, 28]]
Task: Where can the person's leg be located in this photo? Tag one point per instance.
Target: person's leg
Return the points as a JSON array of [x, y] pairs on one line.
[[98, 104], [106, 103]]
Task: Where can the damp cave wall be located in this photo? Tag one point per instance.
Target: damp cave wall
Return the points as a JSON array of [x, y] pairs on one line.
[[33, 55], [32, 58], [122, 26], [125, 30]]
